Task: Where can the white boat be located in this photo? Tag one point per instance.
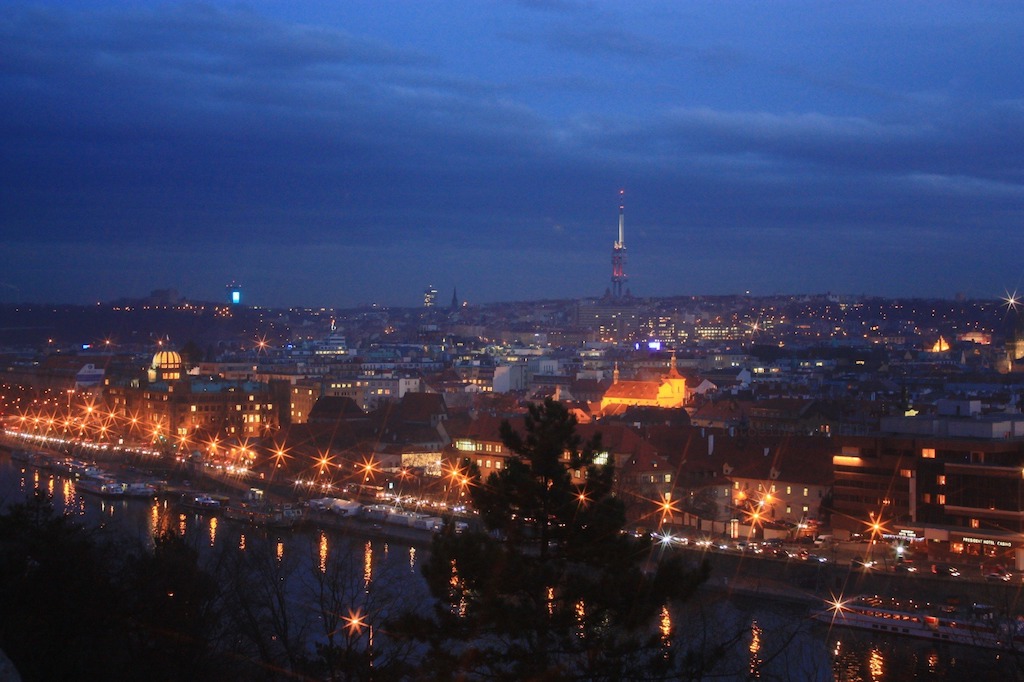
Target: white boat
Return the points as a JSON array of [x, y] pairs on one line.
[[976, 625], [101, 486], [139, 490], [201, 503]]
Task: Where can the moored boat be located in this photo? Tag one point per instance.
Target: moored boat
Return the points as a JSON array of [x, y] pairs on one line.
[[201, 502], [976, 625], [68, 465], [270, 516], [101, 486], [142, 490]]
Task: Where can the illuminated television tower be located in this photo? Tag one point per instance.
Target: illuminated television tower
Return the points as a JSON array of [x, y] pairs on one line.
[[619, 251]]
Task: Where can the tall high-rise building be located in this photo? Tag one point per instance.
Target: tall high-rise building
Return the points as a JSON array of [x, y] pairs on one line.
[[430, 296], [234, 293], [619, 251]]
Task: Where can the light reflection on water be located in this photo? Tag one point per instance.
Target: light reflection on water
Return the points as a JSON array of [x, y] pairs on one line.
[[367, 563], [876, 664], [755, 650], [862, 656], [815, 653], [144, 519]]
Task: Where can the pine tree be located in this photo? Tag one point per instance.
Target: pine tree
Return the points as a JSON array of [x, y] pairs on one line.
[[553, 589]]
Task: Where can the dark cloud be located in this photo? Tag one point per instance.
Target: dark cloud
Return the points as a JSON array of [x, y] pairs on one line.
[[340, 161]]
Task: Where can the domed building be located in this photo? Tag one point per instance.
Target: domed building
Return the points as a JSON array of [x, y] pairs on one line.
[[166, 367], [174, 404]]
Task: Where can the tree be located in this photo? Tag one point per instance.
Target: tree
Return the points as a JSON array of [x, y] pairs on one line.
[[351, 598], [74, 602], [55, 592], [172, 610], [191, 354], [270, 626], [555, 589]]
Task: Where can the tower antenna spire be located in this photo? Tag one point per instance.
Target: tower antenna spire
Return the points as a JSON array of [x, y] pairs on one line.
[[622, 218], [619, 250]]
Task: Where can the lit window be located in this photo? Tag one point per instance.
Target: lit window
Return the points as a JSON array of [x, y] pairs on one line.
[[928, 453], [940, 479], [975, 523], [940, 499], [807, 492], [789, 490]]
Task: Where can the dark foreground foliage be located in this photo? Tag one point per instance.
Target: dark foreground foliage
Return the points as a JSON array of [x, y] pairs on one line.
[[552, 588]]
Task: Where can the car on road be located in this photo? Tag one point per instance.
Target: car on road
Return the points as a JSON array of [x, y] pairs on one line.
[[946, 570]]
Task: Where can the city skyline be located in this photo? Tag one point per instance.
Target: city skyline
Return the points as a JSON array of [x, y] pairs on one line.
[[341, 156]]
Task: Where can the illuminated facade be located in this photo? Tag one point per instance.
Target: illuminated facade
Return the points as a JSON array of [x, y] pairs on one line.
[[166, 366], [173, 405], [612, 320], [955, 481], [668, 391], [303, 395], [181, 408]]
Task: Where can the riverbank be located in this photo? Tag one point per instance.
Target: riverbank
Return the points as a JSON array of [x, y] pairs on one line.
[[814, 584]]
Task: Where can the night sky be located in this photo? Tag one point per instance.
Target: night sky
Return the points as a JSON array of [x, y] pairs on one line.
[[343, 153]]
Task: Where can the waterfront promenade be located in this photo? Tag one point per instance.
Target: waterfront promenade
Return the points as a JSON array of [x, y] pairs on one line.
[[743, 573]]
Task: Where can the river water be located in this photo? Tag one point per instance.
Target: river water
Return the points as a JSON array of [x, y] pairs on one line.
[[779, 642]]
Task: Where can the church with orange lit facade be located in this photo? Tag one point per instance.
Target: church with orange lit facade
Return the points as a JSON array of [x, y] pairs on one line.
[[667, 391]]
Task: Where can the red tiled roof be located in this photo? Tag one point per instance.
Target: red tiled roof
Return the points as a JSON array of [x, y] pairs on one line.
[[633, 390]]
